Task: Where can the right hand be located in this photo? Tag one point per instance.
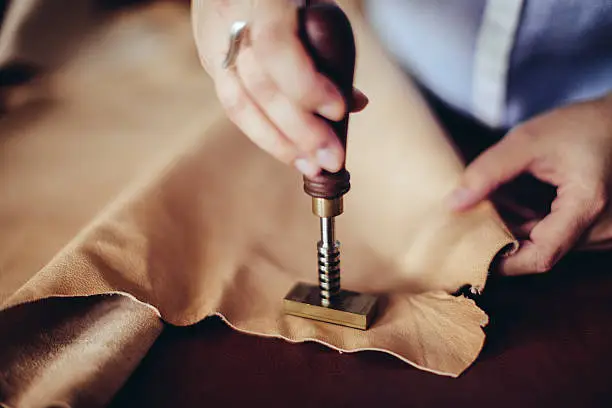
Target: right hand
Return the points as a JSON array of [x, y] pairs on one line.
[[274, 90]]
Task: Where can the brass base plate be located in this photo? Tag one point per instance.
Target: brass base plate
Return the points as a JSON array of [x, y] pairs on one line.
[[351, 309]]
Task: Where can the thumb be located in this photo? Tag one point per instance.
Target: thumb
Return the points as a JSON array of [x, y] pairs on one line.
[[495, 166]]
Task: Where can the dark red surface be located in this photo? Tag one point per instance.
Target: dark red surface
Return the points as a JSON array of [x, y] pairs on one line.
[[549, 345]]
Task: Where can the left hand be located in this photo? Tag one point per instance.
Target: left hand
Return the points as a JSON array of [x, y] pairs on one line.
[[569, 148]]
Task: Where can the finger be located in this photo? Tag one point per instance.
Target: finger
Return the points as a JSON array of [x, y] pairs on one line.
[[256, 126], [523, 231], [359, 102], [279, 50], [497, 165], [554, 236], [309, 133]]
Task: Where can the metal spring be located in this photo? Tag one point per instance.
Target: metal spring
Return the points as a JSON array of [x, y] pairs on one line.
[[329, 271]]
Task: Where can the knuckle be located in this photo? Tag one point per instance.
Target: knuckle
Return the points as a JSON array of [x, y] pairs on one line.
[[254, 78], [233, 100], [591, 199], [260, 86], [600, 198], [544, 261], [300, 82], [307, 90], [312, 137], [543, 265], [267, 37], [525, 132]]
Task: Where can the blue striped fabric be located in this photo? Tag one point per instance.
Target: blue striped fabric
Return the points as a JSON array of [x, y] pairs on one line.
[[562, 54], [562, 51]]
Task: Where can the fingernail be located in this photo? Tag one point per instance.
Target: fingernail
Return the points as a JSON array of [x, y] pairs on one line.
[[328, 159], [459, 198], [306, 167]]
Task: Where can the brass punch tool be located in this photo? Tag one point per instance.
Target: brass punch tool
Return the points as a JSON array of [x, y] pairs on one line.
[[327, 35]]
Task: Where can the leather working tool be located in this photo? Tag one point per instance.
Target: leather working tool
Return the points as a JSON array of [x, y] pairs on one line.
[[327, 35]]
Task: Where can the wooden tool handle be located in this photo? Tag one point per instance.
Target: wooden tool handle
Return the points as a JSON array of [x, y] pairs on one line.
[[327, 35]]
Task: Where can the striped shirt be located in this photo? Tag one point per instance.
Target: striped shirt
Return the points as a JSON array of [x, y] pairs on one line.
[[501, 61]]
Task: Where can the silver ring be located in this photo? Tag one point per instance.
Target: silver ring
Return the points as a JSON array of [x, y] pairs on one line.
[[238, 34]]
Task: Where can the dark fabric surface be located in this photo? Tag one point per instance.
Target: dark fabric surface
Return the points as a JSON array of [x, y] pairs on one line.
[[548, 346]]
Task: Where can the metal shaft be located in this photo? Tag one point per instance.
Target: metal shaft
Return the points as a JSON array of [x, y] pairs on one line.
[[329, 262]]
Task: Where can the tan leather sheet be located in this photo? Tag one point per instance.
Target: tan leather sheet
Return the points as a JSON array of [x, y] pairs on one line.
[[127, 178]]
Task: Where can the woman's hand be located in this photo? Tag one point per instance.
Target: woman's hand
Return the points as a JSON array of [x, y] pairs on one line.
[[570, 148], [274, 90]]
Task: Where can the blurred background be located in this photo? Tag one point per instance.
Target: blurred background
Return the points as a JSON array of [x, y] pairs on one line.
[[94, 95], [39, 37]]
